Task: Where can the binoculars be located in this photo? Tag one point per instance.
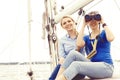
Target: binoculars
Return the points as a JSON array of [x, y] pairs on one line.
[[96, 17]]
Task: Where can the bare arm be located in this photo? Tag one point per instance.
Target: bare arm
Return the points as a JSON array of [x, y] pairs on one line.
[[109, 34], [80, 42]]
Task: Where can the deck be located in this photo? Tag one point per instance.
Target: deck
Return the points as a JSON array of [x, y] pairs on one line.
[[40, 72]]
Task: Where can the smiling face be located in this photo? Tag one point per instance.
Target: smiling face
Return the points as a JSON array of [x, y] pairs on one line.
[[67, 23]]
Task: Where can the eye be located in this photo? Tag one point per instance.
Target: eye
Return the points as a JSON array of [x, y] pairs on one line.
[[69, 21], [64, 23]]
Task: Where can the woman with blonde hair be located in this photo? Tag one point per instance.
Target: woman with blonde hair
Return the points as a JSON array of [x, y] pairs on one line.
[[67, 43]]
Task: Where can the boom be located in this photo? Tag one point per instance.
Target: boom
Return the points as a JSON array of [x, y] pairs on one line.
[[77, 4]]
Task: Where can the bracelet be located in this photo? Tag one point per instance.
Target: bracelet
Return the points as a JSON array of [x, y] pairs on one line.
[[104, 24]]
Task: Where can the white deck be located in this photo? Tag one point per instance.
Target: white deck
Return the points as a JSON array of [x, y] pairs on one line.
[[40, 72]]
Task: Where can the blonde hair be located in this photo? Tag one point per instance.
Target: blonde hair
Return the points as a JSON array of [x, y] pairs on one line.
[[66, 16]]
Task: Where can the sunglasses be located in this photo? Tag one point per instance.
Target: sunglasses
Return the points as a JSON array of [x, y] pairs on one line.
[[96, 17]]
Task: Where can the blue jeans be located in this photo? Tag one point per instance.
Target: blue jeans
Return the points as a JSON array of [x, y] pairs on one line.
[[75, 63], [54, 73]]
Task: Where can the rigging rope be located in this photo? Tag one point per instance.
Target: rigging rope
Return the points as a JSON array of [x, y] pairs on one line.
[[51, 29], [117, 4]]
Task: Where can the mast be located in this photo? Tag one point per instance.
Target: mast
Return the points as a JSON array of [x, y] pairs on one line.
[[30, 73]]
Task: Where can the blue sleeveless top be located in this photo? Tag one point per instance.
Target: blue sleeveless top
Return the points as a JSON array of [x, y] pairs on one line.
[[103, 48]]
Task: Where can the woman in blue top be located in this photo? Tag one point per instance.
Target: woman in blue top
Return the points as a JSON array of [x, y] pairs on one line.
[[66, 43], [98, 66]]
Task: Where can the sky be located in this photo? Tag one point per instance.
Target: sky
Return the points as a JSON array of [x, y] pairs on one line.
[[14, 29]]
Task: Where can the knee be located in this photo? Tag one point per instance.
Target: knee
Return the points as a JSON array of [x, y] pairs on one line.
[[75, 65], [74, 68], [73, 53]]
